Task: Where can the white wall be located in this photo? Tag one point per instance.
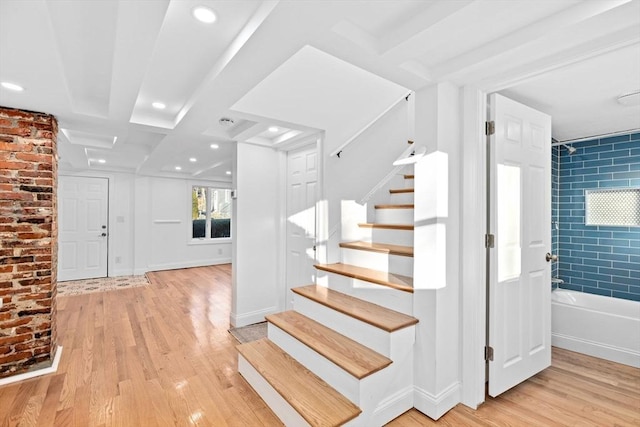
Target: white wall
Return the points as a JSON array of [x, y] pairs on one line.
[[137, 241], [360, 167], [437, 250], [256, 231]]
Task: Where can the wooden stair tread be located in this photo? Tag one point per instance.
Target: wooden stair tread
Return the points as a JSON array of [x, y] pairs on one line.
[[315, 400], [395, 281], [387, 226], [373, 314], [350, 355], [405, 206], [401, 190], [409, 176], [379, 247]]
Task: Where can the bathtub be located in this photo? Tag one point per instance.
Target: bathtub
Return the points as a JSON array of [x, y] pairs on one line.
[[604, 327]]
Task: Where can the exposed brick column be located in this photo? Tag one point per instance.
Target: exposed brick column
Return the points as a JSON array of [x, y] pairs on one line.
[[28, 240]]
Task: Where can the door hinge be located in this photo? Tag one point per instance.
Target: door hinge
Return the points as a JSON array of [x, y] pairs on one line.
[[489, 128], [314, 248], [489, 241], [488, 353]]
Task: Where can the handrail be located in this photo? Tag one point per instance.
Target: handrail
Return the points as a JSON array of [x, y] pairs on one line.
[[339, 150]]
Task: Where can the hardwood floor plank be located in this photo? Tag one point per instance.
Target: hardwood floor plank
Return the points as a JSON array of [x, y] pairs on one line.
[[160, 355]]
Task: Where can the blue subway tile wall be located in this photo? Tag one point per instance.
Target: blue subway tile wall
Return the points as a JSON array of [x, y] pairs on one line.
[[603, 260], [555, 211]]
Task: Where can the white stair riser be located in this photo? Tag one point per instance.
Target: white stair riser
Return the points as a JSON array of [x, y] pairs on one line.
[[377, 294], [336, 377], [400, 198], [289, 416], [409, 183], [391, 237], [394, 216], [379, 261], [374, 338]]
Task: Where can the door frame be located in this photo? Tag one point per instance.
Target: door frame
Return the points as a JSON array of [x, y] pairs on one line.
[[110, 201], [313, 140], [473, 255], [110, 218]]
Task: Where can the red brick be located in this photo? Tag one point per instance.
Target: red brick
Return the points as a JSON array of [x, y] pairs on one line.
[[16, 114], [30, 157], [16, 131], [15, 339], [16, 322], [10, 165], [23, 355]]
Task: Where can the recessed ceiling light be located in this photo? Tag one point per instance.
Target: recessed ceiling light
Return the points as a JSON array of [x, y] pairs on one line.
[[228, 172], [158, 105], [178, 168], [102, 161], [193, 159], [273, 129], [12, 86], [214, 146], [204, 14]]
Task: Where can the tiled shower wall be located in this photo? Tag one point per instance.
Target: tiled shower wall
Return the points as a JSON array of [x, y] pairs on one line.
[[555, 187], [602, 260]]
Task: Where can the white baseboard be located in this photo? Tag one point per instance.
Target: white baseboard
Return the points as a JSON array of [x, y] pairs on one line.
[[243, 319], [393, 406], [28, 375], [183, 264], [435, 406], [596, 349]]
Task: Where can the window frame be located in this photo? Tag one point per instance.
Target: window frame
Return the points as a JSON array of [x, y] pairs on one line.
[[207, 239]]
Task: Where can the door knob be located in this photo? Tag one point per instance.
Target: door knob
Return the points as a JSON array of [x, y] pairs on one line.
[[551, 258]]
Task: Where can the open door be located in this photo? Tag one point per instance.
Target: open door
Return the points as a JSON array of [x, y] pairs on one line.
[[519, 331]]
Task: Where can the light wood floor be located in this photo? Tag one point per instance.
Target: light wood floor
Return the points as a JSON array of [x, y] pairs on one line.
[[161, 355]]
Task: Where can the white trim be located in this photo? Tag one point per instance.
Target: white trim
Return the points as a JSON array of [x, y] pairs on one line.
[[257, 316], [596, 349], [167, 221], [435, 406], [39, 372], [393, 406], [473, 265], [186, 264]]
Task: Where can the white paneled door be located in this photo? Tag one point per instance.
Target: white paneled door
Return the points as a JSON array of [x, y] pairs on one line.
[[82, 227], [302, 195], [520, 212]]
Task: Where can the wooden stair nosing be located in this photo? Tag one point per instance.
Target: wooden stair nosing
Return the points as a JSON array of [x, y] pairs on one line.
[[316, 401], [409, 176], [401, 190], [401, 206], [384, 248], [375, 315], [356, 359], [390, 280], [408, 227]]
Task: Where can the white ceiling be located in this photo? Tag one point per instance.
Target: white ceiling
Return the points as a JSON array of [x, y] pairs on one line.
[[303, 66]]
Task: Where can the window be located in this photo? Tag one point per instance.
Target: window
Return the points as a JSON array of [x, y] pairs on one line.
[[210, 213]]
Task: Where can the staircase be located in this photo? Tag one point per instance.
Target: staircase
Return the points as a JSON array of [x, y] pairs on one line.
[[344, 355]]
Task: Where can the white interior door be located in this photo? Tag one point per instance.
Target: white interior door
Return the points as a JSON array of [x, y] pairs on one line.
[[520, 219], [82, 227], [302, 195]]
